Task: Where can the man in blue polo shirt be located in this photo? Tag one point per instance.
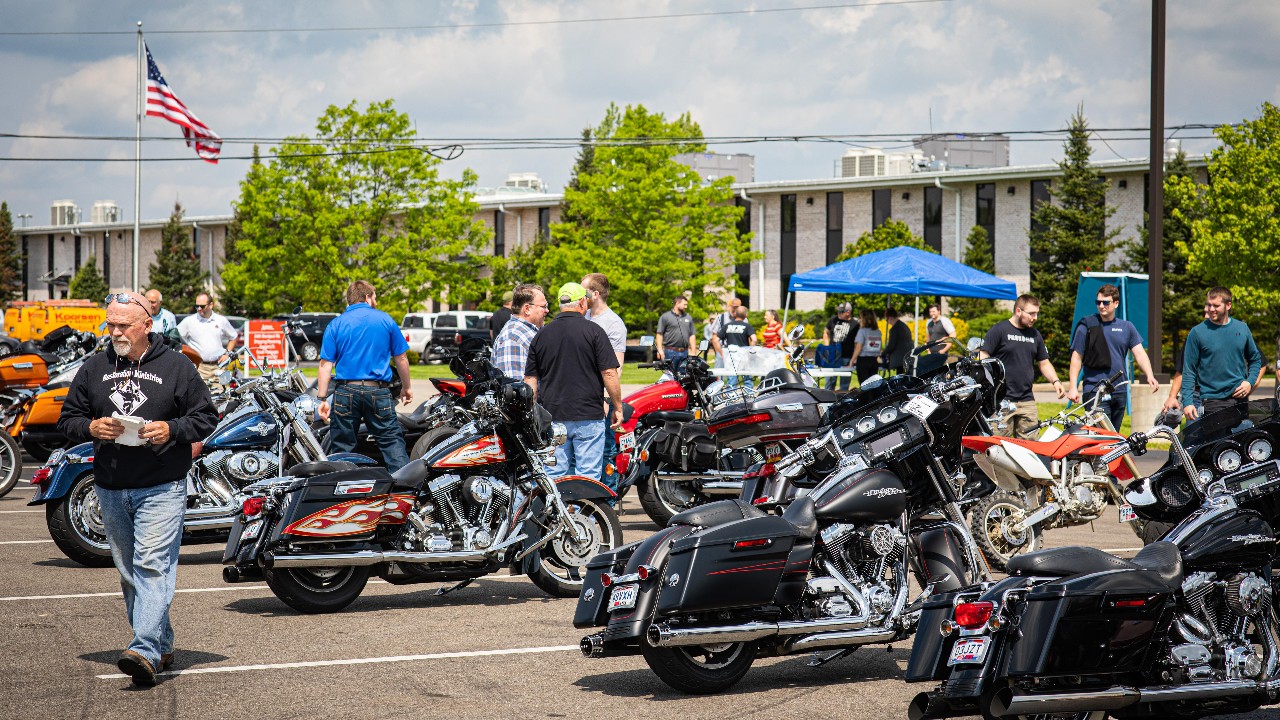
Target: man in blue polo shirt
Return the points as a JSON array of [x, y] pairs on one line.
[[360, 343]]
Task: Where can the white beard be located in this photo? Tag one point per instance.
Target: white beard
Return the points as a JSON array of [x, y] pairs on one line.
[[122, 347]]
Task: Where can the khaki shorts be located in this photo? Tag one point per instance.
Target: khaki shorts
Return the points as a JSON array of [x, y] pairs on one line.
[[1021, 422]]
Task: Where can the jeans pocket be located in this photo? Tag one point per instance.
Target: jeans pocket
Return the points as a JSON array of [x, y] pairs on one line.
[[384, 406], [342, 401]]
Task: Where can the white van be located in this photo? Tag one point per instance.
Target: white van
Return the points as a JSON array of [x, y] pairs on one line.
[[422, 330]]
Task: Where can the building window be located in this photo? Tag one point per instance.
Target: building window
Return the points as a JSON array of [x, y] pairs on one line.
[[835, 225], [985, 211], [26, 268], [195, 241], [787, 256], [743, 270], [1039, 196], [77, 264], [881, 206], [933, 218], [499, 233], [544, 223]]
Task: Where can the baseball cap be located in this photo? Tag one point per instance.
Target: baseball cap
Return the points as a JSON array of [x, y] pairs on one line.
[[507, 297], [571, 292], [844, 307]]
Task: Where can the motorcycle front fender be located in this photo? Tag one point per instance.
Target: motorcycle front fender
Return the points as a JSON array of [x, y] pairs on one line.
[[579, 487], [64, 475]]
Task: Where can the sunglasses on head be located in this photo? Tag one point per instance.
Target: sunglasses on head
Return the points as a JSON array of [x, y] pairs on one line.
[[124, 299]]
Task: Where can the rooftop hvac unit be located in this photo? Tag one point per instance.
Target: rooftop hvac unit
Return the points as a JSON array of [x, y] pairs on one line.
[[105, 211], [64, 212]]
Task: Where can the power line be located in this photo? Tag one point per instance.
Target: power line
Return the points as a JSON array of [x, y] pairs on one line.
[[473, 26]]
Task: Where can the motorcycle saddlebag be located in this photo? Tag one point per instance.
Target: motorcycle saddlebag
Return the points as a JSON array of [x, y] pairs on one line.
[[687, 446], [593, 601], [1086, 624], [345, 505], [930, 650], [787, 413], [23, 371], [741, 564]]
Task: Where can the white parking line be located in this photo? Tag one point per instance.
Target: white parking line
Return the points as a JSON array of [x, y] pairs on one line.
[[16, 512], [227, 588], [23, 542], [356, 661]]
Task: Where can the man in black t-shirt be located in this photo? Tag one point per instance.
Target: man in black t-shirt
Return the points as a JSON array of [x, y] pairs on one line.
[[571, 364], [1021, 348], [840, 331], [735, 333], [501, 315]]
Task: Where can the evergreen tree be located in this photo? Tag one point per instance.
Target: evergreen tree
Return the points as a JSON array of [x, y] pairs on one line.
[[1073, 238], [979, 255], [584, 165], [88, 282], [176, 271], [1183, 306], [10, 258]]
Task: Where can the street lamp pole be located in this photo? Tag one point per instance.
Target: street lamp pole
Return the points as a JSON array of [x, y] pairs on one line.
[[1155, 194], [24, 217]]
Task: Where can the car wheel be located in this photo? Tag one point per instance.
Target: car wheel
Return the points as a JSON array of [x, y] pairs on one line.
[[309, 352]]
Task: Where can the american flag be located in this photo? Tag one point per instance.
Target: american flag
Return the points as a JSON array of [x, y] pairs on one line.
[[161, 102]]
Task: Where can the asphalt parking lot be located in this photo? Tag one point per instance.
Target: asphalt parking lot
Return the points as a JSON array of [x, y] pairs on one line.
[[497, 649]]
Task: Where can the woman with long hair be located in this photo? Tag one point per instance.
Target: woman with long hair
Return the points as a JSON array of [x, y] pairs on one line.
[[866, 346]]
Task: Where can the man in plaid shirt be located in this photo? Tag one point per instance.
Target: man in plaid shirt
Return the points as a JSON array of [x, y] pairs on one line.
[[511, 347]]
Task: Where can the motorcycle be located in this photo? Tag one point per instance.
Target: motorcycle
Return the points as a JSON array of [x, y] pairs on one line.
[[477, 502], [258, 435], [826, 568], [1055, 481], [33, 363], [1186, 629]]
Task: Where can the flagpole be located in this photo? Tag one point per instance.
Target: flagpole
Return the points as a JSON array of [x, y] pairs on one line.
[[137, 164]]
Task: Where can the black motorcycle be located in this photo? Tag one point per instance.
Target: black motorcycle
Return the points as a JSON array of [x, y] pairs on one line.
[[1186, 629], [477, 502], [827, 569]]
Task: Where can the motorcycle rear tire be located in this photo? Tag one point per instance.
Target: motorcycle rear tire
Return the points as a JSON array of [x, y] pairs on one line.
[[984, 521], [430, 439], [659, 502], [75, 524], [720, 668], [315, 590], [10, 463], [558, 567]]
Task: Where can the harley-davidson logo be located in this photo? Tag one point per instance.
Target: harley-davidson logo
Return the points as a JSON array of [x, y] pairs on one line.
[[1250, 539], [884, 492]]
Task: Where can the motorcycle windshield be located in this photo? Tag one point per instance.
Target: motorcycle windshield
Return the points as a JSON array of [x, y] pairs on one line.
[[875, 391], [1222, 423]]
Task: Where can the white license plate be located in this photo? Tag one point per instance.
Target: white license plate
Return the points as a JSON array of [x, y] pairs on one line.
[[971, 650], [623, 597], [627, 442], [1127, 513], [921, 406], [251, 530]]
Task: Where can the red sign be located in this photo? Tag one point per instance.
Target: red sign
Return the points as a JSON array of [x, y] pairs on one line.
[[267, 342]]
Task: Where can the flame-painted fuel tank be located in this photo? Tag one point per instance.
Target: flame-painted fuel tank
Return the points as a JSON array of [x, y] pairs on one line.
[[253, 430], [1231, 540], [868, 495]]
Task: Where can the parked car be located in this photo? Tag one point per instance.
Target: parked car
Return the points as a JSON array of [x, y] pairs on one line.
[[312, 325], [423, 331]]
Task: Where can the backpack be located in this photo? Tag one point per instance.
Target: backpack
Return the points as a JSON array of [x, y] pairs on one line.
[[1097, 356]]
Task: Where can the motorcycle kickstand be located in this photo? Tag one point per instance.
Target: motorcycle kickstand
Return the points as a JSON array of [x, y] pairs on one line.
[[451, 588], [818, 661]]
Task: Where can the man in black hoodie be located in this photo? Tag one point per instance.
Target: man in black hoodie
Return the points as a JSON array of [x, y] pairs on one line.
[[140, 473]]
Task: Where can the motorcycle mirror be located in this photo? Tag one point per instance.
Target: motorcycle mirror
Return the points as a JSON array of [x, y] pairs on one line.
[[224, 377], [797, 332], [646, 341], [297, 309], [702, 346], [973, 344]]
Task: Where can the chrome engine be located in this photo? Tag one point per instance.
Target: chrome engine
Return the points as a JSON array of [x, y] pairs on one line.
[[1226, 629], [462, 514], [215, 478], [864, 557]]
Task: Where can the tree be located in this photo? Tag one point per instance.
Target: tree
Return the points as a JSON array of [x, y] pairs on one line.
[[176, 272], [1071, 238], [979, 255], [1183, 305], [1237, 240], [892, 234], [10, 258], [88, 282], [360, 201], [232, 301], [648, 221]]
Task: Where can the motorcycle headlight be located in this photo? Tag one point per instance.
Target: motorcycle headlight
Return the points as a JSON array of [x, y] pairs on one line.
[[305, 405], [1228, 460], [559, 434], [1260, 450]]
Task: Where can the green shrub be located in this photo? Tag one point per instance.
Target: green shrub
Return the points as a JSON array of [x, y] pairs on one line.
[[413, 357]]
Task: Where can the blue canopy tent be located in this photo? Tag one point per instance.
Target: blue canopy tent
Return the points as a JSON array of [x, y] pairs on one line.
[[901, 271]]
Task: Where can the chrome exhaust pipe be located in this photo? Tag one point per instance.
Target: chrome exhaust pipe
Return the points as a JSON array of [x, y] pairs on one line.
[[592, 646], [839, 639], [707, 476], [1005, 703], [209, 523], [723, 488], [373, 557], [663, 635]]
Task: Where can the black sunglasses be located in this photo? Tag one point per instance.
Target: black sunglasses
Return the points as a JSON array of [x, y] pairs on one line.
[[201, 307], [1103, 303]]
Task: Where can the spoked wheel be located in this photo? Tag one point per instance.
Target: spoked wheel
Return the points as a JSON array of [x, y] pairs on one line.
[[559, 566], [661, 499], [10, 463], [992, 520], [75, 524], [317, 590], [700, 669]]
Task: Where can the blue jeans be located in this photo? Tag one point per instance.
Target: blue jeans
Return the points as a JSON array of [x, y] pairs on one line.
[[144, 529], [376, 407], [830, 384], [1114, 408], [583, 451], [610, 449], [677, 357]]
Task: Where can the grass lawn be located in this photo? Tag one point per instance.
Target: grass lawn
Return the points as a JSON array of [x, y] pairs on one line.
[[631, 375], [1049, 409]]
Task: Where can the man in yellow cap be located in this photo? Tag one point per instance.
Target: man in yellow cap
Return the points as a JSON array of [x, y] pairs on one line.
[[571, 365]]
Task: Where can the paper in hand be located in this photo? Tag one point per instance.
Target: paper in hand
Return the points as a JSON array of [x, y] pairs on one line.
[[132, 426]]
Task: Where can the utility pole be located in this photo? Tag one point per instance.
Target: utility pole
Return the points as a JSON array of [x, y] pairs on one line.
[[1155, 193]]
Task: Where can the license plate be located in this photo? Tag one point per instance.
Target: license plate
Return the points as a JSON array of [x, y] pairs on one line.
[[972, 650], [1127, 513], [627, 442], [772, 452], [251, 530], [921, 406], [623, 597]]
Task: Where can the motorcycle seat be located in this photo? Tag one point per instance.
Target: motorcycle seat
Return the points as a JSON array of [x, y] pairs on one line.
[[410, 476], [662, 416], [319, 467], [802, 514], [1161, 558], [717, 513]]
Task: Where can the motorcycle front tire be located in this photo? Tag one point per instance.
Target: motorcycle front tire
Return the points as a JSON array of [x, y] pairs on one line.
[[317, 590], [700, 670], [985, 520], [558, 567], [10, 463]]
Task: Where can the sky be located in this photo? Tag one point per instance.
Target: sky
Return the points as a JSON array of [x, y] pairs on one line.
[[548, 68]]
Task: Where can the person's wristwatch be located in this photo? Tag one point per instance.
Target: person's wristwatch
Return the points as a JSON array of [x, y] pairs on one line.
[[1057, 383]]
